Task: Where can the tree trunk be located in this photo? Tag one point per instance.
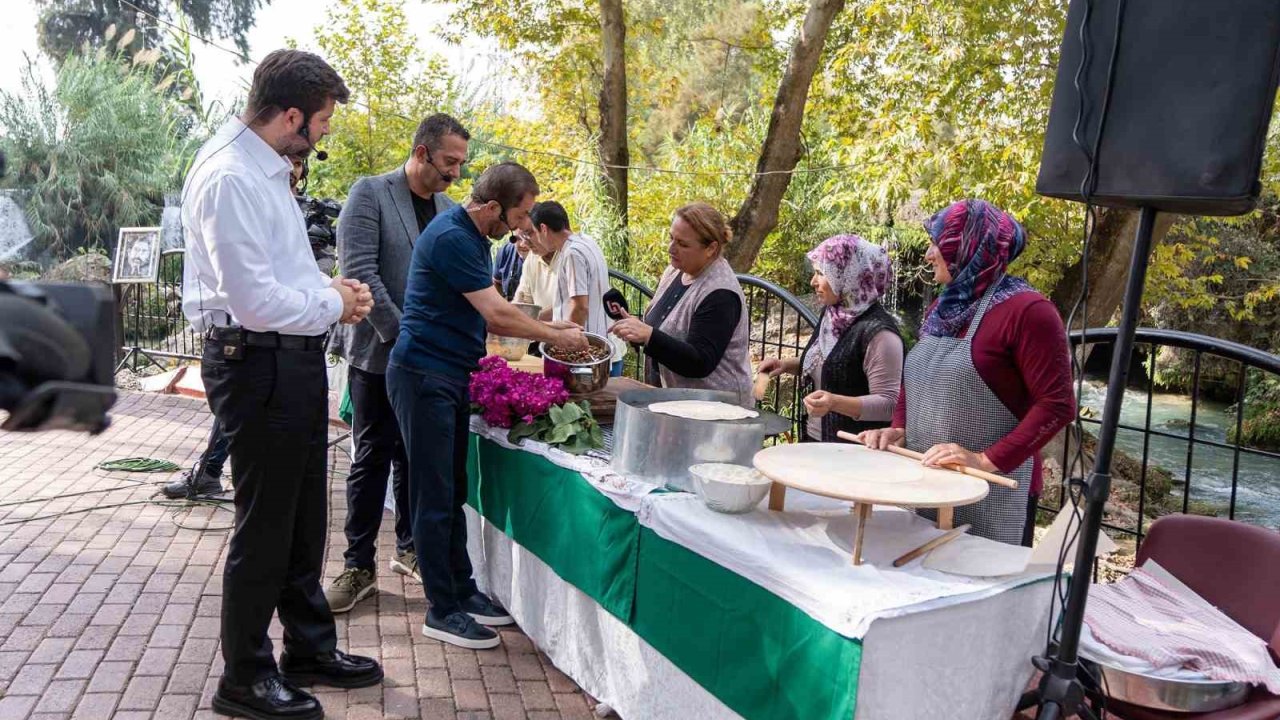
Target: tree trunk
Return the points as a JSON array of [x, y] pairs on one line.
[[1109, 256], [613, 105], [759, 212]]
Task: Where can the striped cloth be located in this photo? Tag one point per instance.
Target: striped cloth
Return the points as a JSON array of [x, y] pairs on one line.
[[1141, 617]]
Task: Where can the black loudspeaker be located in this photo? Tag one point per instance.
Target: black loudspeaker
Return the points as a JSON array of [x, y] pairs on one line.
[[1191, 96]]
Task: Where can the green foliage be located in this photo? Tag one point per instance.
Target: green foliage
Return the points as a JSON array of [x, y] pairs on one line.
[[97, 151], [67, 26], [570, 427], [393, 86], [1261, 424]]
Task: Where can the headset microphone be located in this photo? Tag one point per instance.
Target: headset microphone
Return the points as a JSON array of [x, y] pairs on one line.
[[305, 132], [431, 161]]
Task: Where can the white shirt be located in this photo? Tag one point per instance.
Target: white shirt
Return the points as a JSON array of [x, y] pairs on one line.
[[537, 282], [248, 261], [580, 269]]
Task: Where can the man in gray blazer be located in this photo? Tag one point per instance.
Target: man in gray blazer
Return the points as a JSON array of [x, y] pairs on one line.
[[380, 221]]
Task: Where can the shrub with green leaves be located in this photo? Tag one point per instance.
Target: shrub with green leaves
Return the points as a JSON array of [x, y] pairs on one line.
[[97, 150], [570, 427]]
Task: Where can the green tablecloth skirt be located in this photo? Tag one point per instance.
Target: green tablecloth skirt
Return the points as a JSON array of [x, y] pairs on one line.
[[758, 654]]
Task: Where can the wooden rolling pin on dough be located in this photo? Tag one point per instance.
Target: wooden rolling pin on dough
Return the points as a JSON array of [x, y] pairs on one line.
[[964, 469]]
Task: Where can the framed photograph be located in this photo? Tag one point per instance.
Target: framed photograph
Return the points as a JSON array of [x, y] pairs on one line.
[[137, 256]]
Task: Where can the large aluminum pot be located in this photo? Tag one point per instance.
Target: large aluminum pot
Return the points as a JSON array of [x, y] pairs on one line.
[[580, 378], [660, 448], [1181, 696]]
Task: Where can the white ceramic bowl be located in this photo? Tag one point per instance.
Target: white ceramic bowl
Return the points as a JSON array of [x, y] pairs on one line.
[[729, 488]]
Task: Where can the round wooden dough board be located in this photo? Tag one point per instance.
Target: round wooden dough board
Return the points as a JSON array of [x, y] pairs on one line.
[[845, 471]]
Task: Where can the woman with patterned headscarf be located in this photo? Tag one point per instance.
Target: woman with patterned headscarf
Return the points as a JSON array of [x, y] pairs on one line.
[[855, 358], [989, 382]]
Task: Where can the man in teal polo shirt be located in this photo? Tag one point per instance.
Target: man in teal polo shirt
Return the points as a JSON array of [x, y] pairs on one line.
[[450, 303]]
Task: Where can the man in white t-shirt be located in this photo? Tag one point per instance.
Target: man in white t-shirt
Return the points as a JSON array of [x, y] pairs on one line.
[[581, 273], [537, 280]]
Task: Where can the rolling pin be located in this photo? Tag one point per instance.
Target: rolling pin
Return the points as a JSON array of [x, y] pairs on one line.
[[932, 544], [992, 478]]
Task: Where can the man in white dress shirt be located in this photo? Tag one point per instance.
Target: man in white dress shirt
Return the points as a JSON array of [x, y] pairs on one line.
[[252, 286]]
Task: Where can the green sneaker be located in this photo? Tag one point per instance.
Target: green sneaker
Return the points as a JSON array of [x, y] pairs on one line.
[[349, 588], [406, 563]]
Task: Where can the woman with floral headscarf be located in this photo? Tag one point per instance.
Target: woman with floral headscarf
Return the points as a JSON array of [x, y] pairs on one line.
[[855, 358], [989, 382]]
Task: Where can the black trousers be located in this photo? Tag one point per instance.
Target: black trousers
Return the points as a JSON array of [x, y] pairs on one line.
[[214, 456], [377, 449], [434, 411], [273, 407]]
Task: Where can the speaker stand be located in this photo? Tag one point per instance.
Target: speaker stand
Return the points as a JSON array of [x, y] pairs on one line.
[[1061, 692]]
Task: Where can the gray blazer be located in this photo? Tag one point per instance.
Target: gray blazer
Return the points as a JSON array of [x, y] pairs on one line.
[[376, 232]]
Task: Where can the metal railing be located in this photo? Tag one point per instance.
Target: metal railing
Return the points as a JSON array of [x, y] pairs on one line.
[[780, 325], [637, 295], [1204, 452], [152, 318]]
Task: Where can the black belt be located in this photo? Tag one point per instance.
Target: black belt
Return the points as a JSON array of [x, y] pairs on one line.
[[274, 340]]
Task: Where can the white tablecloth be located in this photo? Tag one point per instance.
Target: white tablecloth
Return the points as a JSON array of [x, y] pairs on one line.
[[968, 661], [804, 557]]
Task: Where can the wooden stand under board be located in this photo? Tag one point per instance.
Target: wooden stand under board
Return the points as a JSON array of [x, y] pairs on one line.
[[864, 477]]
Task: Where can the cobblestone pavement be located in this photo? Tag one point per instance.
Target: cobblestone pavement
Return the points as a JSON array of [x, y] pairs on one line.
[[110, 609]]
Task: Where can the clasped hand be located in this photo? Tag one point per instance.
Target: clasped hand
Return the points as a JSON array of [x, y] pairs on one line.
[[357, 299]]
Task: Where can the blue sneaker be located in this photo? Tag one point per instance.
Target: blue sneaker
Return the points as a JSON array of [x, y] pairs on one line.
[[457, 628], [486, 611]]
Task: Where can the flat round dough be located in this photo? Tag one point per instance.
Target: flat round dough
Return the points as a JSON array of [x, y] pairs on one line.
[[853, 472], [703, 410]]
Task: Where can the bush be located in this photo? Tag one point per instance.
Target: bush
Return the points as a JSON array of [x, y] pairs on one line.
[[1261, 423], [98, 150]]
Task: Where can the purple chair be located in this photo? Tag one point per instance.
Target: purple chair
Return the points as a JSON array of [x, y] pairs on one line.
[[1234, 566]]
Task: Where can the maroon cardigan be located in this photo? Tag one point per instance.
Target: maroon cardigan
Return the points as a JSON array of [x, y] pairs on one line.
[[1021, 353]]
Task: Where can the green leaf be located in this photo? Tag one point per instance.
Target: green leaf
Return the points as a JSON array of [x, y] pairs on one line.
[[570, 412], [521, 431], [559, 434], [557, 414], [577, 446]]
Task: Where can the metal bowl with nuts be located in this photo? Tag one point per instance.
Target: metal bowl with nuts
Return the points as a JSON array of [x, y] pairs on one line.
[[583, 371]]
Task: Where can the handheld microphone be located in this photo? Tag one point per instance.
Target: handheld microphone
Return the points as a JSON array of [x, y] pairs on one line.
[[305, 132]]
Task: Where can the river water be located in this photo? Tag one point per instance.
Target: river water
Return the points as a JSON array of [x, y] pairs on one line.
[[1258, 492]]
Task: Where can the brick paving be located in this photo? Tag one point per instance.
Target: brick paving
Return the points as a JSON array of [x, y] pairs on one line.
[[112, 612]]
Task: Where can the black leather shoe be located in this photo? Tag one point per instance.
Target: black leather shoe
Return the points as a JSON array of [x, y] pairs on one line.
[[271, 699], [181, 488], [335, 669]]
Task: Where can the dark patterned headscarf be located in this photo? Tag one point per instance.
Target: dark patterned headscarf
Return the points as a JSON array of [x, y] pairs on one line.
[[978, 241]]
